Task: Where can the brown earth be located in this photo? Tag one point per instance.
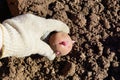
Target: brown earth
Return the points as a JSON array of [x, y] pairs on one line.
[[94, 25]]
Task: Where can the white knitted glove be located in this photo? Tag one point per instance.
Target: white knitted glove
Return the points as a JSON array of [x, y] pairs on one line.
[[23, 35]]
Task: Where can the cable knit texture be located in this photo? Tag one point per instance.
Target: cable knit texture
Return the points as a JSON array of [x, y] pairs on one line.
[[23, 35]]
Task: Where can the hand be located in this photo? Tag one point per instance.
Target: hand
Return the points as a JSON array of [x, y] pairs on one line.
[[51, 57]]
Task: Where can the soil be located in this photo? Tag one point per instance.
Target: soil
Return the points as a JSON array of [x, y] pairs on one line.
[[94, 25]]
